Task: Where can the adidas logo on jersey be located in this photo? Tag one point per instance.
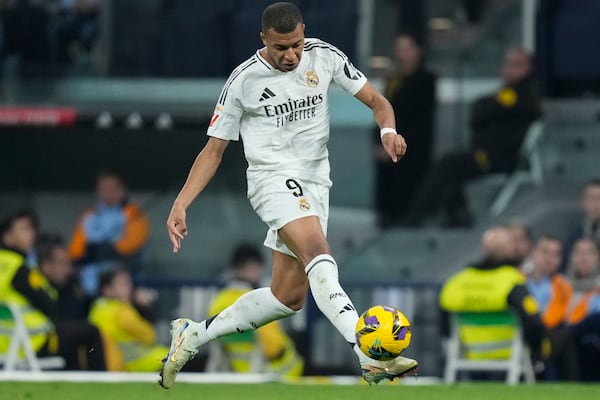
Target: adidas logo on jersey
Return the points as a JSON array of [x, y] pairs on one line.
[[266, 94]]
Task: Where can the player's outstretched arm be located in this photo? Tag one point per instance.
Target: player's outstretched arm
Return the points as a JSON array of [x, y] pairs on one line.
[[201, 173], [393, 143]]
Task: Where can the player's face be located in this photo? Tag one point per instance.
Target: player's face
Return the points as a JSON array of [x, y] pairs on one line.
[[284, 50]]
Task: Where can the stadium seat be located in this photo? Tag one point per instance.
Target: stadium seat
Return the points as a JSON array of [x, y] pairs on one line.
[[508, 354], [12, 325], [529, 171]]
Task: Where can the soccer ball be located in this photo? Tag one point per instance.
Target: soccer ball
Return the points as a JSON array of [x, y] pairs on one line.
[[383, 332]]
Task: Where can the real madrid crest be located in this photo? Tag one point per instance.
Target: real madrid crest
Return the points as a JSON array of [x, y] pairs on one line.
[[312, 79], [304, 204]]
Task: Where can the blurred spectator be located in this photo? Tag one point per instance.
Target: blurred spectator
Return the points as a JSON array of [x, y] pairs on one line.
[[498, 123], [411, 90], [550, 289], [55, 264], [115, 315], [498, 286], [584, 268], [524, 245], [25, 46], [79, 343], [266, 349], [590, 225], [77, 29], [552, 292], [113, 232], [34, 220], [495, 279]]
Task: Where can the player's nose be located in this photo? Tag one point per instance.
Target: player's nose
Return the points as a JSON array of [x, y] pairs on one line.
[[290, 55]]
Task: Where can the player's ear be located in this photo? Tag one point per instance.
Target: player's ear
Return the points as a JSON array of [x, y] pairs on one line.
[[263, 38]]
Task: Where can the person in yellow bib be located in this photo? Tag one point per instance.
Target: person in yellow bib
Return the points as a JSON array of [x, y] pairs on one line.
[[267, 349], [115, 315], [495, 285], [78, 342]]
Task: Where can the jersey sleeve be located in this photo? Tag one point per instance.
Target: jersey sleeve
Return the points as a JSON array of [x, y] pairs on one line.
[[345, 74], [225, 121]]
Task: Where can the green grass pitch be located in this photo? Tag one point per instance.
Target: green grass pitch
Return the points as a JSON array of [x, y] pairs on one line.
[[277, 391]]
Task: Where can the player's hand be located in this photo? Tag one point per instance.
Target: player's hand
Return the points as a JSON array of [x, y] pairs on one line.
[[176, 227], [395, 145]]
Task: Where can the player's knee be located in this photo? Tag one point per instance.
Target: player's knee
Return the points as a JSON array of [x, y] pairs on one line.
[[313, 251]]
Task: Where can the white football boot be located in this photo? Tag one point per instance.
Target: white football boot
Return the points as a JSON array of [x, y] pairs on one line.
[[374, 371], [180, 352]]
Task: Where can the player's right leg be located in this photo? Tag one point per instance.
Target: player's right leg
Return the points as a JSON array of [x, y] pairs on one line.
[[250, 311]]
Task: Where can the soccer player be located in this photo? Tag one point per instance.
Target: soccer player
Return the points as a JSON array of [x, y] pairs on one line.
[[277, 100]]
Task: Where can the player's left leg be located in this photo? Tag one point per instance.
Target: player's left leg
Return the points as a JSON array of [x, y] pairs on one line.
[[305, 237]]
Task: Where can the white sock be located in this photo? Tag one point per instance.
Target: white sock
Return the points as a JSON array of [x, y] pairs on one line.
[[331, 299], [250, 311]]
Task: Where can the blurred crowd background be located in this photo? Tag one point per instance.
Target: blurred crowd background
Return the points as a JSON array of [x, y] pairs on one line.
[[105, 104]]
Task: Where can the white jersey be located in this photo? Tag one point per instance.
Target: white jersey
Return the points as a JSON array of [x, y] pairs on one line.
[[283, 117]]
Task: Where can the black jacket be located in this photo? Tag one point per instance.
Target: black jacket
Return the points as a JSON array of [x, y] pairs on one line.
[[499, 122]]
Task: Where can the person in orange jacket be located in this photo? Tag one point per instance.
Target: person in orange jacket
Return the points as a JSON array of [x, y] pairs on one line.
[[553, 293], [550, 289], [113, 232]]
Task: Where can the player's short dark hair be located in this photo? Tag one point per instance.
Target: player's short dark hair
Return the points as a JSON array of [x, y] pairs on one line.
[[244, 254], [282, 17], [6, 224], [46, 244]]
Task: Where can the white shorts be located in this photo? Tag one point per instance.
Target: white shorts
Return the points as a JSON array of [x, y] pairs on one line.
[[279, 199]]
